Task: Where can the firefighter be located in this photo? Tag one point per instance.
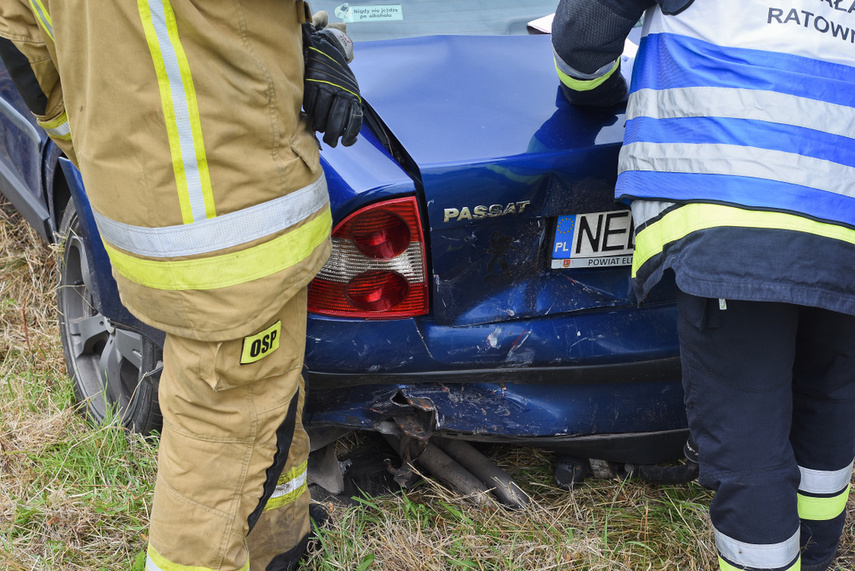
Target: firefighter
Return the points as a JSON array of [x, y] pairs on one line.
[[204, 178], [738, 166]]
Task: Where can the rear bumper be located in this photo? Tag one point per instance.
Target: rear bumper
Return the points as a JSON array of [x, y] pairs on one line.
[[632, 412], [664, 370]]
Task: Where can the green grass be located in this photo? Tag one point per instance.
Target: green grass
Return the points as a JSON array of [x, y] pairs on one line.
[[76, 497]]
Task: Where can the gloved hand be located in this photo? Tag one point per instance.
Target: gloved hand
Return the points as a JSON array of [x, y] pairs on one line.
[[330, 93]]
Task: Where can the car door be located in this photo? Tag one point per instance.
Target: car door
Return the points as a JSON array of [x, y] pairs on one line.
[[21, 145]]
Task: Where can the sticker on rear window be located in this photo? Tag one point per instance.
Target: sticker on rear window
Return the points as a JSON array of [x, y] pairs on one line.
[[354, 14]]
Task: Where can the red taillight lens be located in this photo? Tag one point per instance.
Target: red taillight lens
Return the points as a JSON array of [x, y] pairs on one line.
[[380, 234], [377, 291], [377, 269]]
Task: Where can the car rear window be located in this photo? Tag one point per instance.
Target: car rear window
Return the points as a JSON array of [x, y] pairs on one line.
[[382, 19]]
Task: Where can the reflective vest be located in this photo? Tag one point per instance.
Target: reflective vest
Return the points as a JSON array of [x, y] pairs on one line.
[[743, 114]]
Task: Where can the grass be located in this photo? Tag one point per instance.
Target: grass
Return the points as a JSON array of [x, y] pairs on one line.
[[77, 497]]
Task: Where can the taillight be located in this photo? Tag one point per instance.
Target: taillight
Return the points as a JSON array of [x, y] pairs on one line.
[[377, 268]]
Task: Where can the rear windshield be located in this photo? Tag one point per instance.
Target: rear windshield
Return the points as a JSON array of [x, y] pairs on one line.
[[384, 19]]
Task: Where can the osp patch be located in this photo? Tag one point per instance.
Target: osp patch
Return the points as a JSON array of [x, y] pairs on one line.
[[260, 345]]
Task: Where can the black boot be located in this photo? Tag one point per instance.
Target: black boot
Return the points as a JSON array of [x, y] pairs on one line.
[[290, 560]]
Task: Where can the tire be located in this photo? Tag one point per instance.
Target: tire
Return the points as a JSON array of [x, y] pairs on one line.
[[115, 369]]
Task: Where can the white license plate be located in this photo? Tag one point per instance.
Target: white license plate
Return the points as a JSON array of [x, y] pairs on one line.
[[594, 240]]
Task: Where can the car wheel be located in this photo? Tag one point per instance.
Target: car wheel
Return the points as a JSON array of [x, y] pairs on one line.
[[115, 369]]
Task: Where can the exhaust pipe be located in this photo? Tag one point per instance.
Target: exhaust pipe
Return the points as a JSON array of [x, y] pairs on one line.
[[499, 481]]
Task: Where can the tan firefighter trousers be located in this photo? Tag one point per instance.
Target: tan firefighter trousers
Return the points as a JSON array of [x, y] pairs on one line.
[[233, 450], [184, 116]]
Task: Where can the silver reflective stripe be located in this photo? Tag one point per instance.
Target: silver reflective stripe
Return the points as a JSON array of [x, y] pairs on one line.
[[182, 119], [347, 261], [825, 481], [218, 233], [752, 104], [150, 565], [576, 74], [43, 16], [759, 555], [290, 486], [817, 34], [738, 160], [645, 210], [62, 130]]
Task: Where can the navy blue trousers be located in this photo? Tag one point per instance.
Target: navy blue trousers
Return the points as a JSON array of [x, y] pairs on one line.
[[769, 387]]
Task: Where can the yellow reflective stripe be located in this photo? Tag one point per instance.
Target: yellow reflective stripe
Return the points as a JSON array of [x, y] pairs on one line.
[[226, 269], [584, 84], [157, 562], [168, 111], [725, 566], [195, 121], [684, 220], [43, 17], [291, 485], [58, 128], [822, 509], [180, 110]]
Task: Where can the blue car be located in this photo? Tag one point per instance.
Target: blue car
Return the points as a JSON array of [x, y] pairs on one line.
[[479, 285]]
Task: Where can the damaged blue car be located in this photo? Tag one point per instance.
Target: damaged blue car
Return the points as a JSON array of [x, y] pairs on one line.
[[479, 286]]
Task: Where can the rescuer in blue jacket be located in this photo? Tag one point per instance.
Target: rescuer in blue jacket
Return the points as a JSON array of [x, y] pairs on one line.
[[739, 165]]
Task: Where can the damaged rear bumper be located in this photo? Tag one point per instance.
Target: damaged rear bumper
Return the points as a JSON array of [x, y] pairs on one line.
[[627, 412]]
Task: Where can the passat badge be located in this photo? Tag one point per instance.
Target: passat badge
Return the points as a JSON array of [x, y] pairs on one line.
[[482, 211]]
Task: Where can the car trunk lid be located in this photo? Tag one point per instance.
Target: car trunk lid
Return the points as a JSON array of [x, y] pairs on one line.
[[500, 156]]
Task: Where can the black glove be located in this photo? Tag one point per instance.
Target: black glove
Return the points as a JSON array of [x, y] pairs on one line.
[[330, 93]]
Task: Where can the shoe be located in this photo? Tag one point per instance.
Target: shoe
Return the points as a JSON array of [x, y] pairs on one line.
[[820, 566]]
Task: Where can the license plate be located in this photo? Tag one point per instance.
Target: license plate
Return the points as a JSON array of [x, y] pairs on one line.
[[594, 240]]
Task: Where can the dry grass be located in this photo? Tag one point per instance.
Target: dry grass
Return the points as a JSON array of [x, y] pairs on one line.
[[71, 497], [74, 497], [604, 525]]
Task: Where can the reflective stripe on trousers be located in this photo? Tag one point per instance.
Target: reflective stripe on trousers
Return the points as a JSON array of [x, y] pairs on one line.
[[735, 554], [156, 562], [289, 487], [823, 493]]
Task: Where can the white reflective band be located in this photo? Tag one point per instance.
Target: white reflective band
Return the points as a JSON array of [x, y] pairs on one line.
[[759, 555], [645, 210], [576, 74], [289, 486], [224, 231], [752, 104], [182, 120], [63, 130], [825, 481], [150, 565], [819, 30], [346, 261], [738, 160]]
